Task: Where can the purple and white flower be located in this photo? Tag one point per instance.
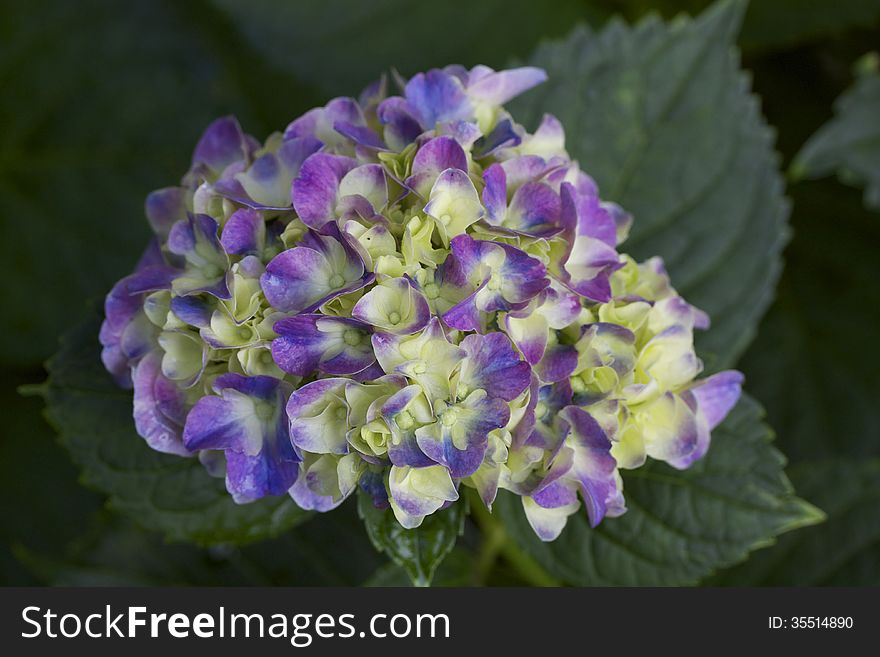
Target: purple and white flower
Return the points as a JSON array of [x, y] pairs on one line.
[[409, 295]]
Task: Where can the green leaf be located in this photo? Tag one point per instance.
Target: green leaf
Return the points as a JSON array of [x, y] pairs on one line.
[[340, 46], [103, 102], [786, 23], [36, 473], [815, 363], [844, 551], [849, 144], [661, 116], [681, 525], [455, 570], [169, 494], [418, 551], [772, 24], [331, 550]]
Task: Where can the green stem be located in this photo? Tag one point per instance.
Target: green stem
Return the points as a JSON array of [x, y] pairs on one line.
[[490, 549], [497, 542]]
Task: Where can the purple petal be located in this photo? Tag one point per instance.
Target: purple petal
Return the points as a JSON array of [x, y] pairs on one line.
[[319, 123], [401, 126], [717, 395], [593, 467], [503, 135], [558, 363], [213, 423], [159, 407], [548, 523], [589, 215], [307, 343], [548, 140], [195, 231], [244, 233], [270, 472], [248, 421], [318, 475], [548, 429], [522, 169], [121, 307], [463, 75], [595, 288], [314, 190], [468, 255], [592, 256], [431, 159], [371, 373], [561, 307], [365, 185], [182, 237], [404, 449], [318, 416], [622, 220], [373, 484], [138, 337], [289, 281], [495, 193], [294, 152], [407, 452], [465, 316], [359, 134], [305, 277], [534, 209], [672, 431], [149, 279], [269, 179], [530, 334], [469, 426], [464, 132], [151, 256], [555, 495], [511, 279], [164, 207], [259, 387], [435, 97], [499, 87], [222, 143], [492, 365]]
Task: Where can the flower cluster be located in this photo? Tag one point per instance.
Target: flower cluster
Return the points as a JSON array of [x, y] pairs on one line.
[[408, 294]]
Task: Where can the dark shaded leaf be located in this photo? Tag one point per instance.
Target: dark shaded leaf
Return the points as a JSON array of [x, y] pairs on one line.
[[103, 102], [340, 46], [418, 551], [813, 365], [844, 551], [455, 570], [773, 24], [36, 473], [849, 144], [681, 525], [328, 551], [169, 494]]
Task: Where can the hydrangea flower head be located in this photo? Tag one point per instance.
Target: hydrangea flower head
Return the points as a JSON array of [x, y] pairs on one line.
[[409, 294]]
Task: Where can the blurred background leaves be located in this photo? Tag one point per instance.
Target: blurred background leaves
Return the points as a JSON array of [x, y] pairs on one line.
[[102, 102], [849, 144]]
